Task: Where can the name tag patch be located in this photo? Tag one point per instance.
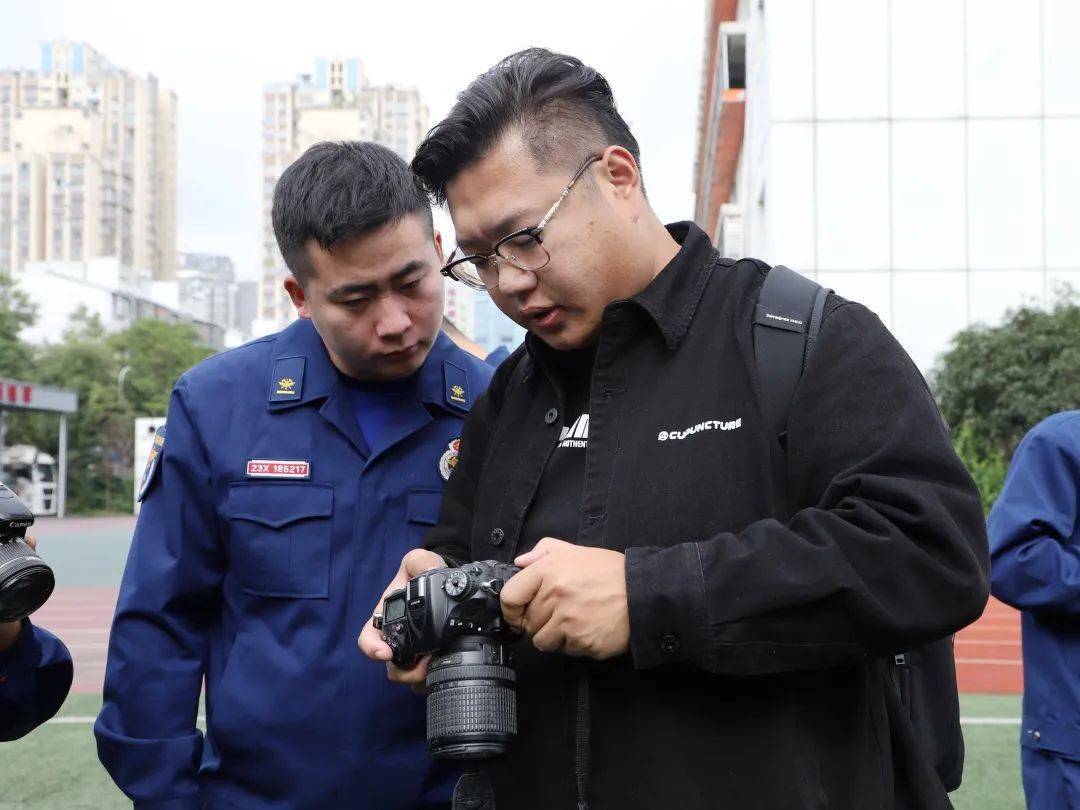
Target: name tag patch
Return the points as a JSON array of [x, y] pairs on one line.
[[272, 468]]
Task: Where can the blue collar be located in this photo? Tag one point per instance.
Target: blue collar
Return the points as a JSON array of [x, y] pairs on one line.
[[301, 372]]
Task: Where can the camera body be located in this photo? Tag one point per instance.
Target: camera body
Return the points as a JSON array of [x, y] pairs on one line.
[[26, 582], [442, 605], [455, 614]]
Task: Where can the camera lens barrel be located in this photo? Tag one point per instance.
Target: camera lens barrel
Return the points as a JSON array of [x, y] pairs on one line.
[[472, 701], [26, 582]]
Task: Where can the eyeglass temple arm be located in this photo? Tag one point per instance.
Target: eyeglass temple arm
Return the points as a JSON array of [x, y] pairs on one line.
[[570, 185], [553, 209]]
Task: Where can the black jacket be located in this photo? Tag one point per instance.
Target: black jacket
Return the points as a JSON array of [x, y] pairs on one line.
[[755, 677]]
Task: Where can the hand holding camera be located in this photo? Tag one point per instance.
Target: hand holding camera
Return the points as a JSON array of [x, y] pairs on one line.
[[571, 599], [455, 615], [371, 642]]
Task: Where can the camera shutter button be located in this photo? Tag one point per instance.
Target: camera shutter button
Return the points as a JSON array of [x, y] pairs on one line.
[[497, 536]]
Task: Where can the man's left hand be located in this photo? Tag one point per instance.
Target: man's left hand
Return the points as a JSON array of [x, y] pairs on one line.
[[570, 599]]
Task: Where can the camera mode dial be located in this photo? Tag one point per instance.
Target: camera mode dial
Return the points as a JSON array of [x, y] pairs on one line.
[[459, 585]]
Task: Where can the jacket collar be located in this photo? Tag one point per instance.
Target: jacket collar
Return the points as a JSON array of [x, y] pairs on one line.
[[301, 372], [672, 298]]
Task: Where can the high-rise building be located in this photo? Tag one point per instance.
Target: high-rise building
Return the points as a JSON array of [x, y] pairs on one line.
[[336, 103], [206, 287], [87, 163], [918, 156], [244, 308]]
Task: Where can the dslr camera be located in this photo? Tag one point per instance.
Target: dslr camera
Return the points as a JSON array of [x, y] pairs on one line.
[[454, 614], [26, 582]]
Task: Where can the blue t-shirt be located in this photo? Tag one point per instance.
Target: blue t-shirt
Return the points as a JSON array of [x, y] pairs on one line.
[[374, 404]]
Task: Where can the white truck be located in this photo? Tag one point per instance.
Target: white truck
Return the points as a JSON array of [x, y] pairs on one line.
[[31, 474]]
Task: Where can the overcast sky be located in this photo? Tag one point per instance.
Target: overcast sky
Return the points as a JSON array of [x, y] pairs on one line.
[[216, 56]]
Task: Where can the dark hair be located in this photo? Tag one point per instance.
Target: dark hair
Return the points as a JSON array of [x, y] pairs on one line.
[[564, 109], [336, 192]]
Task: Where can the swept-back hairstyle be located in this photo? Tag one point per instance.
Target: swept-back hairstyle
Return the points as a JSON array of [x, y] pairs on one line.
[[563, 108]]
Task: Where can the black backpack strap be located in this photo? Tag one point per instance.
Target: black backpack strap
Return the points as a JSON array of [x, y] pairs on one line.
[[786, 324]]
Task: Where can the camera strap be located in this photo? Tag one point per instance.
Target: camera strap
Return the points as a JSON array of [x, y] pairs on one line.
[[473, 790]]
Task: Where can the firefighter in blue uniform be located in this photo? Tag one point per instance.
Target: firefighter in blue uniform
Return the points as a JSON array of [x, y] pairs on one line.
[[291, 476], [35, 676], [1034, 532]]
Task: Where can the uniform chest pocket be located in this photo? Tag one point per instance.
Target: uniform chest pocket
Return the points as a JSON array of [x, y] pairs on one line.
[[280, 538], [423, 505]]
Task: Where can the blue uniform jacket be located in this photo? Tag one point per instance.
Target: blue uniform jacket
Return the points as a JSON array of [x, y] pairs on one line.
[[1034, 532], [259, 573], [35, 676]]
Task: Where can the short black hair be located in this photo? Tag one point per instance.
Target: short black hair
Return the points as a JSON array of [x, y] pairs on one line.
[[339, 191], [564, 109]]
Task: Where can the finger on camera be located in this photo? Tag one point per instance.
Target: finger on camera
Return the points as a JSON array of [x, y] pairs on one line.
[[549, 638], [413, 675], [372, 645], [518, 592], [537, 614], [420, 561], [31, 541]]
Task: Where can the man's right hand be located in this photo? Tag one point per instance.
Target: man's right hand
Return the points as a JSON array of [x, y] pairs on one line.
[[371, 642]]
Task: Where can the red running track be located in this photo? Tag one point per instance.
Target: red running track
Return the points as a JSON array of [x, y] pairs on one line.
[[81, 617], [987, 652]]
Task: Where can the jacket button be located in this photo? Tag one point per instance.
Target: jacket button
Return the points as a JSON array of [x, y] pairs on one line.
[[551, 416], [497, 537], [669, 644], [1036, 735]]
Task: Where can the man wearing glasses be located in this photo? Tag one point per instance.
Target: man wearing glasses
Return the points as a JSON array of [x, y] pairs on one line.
[[693, 642]]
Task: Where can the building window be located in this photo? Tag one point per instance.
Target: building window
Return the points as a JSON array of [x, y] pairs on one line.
[[733, 61]]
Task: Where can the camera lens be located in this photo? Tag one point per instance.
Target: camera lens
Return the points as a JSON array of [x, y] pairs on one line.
[[471, 704], [26, 582]]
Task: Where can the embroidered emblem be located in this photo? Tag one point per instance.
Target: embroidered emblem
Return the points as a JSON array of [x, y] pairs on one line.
[[153, 461], [449, 459]]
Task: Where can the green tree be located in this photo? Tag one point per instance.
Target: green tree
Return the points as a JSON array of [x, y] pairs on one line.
[[155, 354], [995, 384], [16, 313], [101, 441]]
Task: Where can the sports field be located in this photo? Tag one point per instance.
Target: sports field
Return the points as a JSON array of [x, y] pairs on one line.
[[56, 766]]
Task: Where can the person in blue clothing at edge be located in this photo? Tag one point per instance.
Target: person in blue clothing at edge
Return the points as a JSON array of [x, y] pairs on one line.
[[294, 473], [1034, 530], [35, 676]]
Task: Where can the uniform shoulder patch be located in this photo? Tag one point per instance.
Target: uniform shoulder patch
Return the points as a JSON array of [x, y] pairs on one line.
[[456, 384], [153, 463], [287, 379]]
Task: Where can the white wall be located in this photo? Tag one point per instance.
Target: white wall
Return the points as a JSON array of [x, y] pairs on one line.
[[917, 155], [57, 298]]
